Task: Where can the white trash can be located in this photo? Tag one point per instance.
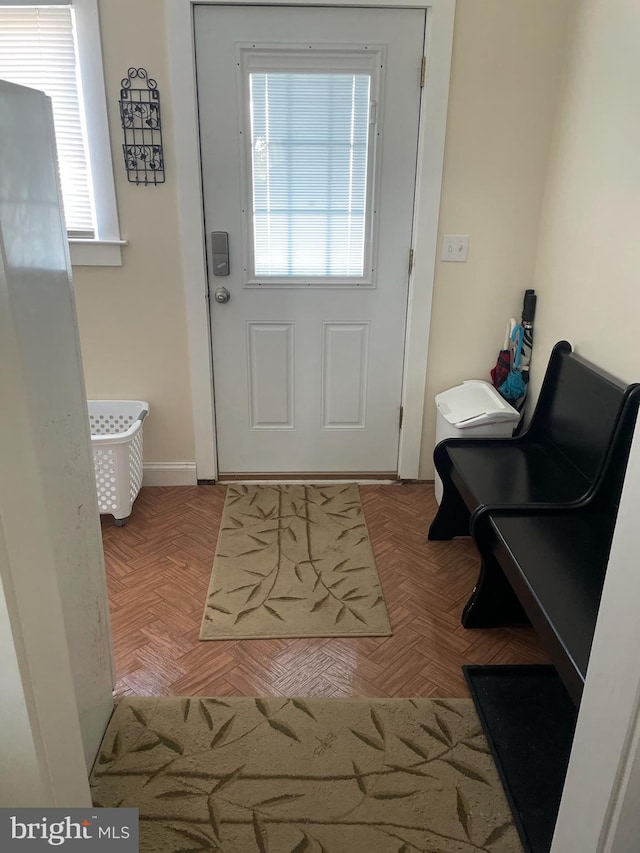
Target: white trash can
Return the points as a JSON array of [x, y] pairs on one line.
[[472, 410]]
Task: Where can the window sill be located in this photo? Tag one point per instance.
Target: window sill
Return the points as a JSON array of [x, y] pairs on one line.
[[96, 253]]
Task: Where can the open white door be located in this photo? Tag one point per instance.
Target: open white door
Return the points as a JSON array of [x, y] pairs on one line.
[[55, 623]]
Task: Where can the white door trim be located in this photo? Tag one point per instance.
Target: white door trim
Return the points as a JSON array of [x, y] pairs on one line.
[[599, 809], [435, 96]]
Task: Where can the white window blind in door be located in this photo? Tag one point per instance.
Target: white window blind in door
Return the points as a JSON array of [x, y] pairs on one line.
[[37, 49], [310, 173]]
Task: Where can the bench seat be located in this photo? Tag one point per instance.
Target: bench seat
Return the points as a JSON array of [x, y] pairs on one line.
[[547, 563], [542, 509], [510, 473], [555, 564], [556, 460]]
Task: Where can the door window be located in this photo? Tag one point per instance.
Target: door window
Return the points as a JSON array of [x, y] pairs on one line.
[[309, 144], [311, 168]]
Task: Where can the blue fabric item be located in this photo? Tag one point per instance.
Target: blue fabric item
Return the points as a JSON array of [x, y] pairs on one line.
[[514, 385]]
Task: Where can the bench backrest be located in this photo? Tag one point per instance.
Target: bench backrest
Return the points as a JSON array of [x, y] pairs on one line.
[[578, 409], [606, 497]]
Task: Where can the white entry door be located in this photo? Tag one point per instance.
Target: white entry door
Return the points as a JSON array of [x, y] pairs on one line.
[[309, 127]]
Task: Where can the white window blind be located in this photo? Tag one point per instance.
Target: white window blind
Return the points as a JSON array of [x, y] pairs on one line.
[[37, 49], [309, 142]]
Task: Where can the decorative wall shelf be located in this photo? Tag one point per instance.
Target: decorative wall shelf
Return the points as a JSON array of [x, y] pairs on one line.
[[142, 128]]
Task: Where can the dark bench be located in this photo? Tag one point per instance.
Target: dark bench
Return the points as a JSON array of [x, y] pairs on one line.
[[556, 460], [549, 563]]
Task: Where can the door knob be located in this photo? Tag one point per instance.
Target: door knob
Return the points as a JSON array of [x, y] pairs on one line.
[[222, 295]]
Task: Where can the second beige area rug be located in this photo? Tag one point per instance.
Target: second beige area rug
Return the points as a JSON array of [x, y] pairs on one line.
[[293, 561], [239, 775]]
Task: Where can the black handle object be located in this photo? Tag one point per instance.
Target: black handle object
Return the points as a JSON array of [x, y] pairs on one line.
[[529, 307]]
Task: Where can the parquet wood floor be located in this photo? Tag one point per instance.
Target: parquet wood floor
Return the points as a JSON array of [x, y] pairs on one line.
[[158, 569]]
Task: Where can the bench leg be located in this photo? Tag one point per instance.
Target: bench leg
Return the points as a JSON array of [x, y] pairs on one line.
[[493, 602], [452, 518]]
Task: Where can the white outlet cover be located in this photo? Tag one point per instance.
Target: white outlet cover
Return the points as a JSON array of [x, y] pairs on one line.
[[455, 248]]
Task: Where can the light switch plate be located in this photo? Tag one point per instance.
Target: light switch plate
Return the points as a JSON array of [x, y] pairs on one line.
[[455, 247]]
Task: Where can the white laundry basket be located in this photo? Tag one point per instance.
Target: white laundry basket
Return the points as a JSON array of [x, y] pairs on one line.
[[116, 441]]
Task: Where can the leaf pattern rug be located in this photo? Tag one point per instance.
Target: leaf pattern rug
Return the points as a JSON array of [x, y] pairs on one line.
[[293, 561], [304, 776]]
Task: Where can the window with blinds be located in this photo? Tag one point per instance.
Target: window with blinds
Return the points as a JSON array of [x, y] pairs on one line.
[[37, 49], [310, 173]]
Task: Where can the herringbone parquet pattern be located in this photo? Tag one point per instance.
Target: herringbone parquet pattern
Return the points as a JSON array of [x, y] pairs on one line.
[[158, 569]]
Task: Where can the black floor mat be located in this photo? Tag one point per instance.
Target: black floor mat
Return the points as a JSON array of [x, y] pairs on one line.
[[529, 721]]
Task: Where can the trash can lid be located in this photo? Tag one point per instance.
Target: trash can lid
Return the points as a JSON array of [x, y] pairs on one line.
[[474, 403]]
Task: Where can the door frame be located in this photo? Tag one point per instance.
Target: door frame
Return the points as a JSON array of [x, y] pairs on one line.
[[433, 114], [599, 807]]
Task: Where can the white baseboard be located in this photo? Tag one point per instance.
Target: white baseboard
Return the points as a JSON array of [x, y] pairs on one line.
[[312, 481], [169, 474]]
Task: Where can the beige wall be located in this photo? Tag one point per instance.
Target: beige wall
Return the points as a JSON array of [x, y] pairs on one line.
[[507, 61], [587, 270], [132, 318]]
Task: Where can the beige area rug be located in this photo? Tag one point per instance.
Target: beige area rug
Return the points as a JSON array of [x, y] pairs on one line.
[[293, 561], [316, 775]]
